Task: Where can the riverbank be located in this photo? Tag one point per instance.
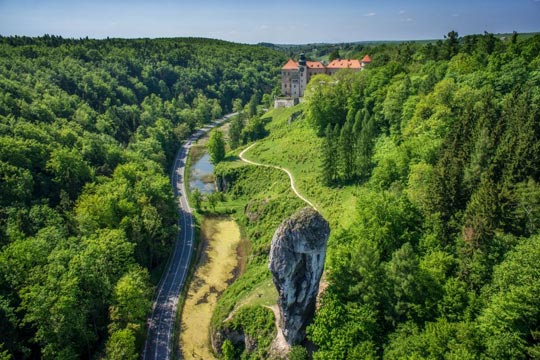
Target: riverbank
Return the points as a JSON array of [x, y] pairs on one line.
[[216, 269]]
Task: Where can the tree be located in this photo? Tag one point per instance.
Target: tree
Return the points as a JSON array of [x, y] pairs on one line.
[[252, 105], [216, 146], [254, 129], [4, 354], [237, 105], [227, 349], [346, 144], [197, 197], [509, 322], [328, 163], [131, 302], [451, 44], [343, 330], [326, 101], [297, 353], [213, 200], [69, 170], [403, 273], [216, 109], [514, 38], [364, 147], [121, 346], [334, 55], [235, 131]]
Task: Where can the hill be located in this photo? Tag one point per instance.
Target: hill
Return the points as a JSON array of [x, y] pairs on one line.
[[427, 166], [88, 130]]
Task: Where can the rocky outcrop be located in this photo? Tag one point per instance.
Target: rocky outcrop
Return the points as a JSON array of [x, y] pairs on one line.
[[237, 337], [226, 177], [296, 262]]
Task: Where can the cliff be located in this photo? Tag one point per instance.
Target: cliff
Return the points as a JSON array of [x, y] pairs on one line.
[[297, 258]]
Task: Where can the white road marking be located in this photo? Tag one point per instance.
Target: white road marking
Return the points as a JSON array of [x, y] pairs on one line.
[[161, 321]]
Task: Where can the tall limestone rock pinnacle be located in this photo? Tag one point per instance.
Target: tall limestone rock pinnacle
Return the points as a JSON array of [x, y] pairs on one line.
[[296, 262]]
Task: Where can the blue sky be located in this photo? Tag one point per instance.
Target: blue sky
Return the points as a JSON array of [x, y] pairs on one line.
[[277, 21]]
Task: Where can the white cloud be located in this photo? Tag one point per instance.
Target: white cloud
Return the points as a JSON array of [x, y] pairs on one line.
[[407, 19], [455, 15], [370, 14], [264, 27], [403, 11]]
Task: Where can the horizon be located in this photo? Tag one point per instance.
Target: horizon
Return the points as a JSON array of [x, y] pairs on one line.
[[262, 43], [279, 22]]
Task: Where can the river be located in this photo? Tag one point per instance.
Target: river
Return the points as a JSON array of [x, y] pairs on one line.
[[202, 175]]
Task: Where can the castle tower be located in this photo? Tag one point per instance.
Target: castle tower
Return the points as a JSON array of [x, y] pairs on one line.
[[302, 74]]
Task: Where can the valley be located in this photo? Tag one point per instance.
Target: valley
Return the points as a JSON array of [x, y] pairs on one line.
[[425, 164]]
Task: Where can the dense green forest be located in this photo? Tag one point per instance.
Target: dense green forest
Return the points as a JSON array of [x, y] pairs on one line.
[[438, 143], [88, 130], [442, 144]]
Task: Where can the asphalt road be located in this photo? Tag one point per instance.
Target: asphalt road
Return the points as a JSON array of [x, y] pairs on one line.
[[159, 338]]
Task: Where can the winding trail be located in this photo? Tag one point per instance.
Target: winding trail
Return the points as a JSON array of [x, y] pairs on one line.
[[161, 322], [293, 187]]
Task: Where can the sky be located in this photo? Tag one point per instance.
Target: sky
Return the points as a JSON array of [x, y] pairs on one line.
[[275, 21]]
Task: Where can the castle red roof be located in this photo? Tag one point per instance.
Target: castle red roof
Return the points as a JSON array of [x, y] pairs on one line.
[[336, 64], [366, 59], [314, 65], [344, 64], [290, 65]]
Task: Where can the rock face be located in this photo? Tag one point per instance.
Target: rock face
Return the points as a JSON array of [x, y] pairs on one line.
[[296, 262]]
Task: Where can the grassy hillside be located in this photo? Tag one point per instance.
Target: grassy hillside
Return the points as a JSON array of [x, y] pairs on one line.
[[295, 146]]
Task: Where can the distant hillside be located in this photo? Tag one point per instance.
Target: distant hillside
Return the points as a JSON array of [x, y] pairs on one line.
[[321, 51]]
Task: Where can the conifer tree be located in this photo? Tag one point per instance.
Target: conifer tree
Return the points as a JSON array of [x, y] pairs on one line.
[[235, 131], [365, 146], [335, 152], [346, 147], [327, 161]]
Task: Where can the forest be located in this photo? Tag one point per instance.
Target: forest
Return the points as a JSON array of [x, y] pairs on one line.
[[88, 131], [438, 143], [441, 143]]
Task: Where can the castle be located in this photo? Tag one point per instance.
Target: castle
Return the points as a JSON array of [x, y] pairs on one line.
[[296, 75]]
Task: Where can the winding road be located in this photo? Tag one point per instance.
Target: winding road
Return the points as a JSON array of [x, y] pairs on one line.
[[161, 322], [300, 196]]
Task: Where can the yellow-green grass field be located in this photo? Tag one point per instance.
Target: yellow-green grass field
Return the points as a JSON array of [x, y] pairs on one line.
[[215, 269]]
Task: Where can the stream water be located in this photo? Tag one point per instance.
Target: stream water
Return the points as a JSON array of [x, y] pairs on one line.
[[202, 175]]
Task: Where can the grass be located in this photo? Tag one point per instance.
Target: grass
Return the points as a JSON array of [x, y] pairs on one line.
[[215, 269], [265, 294], [295, 146]]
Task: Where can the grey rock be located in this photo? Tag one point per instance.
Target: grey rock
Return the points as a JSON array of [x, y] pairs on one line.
[[221, 183], [297, 258], [236, 336]]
